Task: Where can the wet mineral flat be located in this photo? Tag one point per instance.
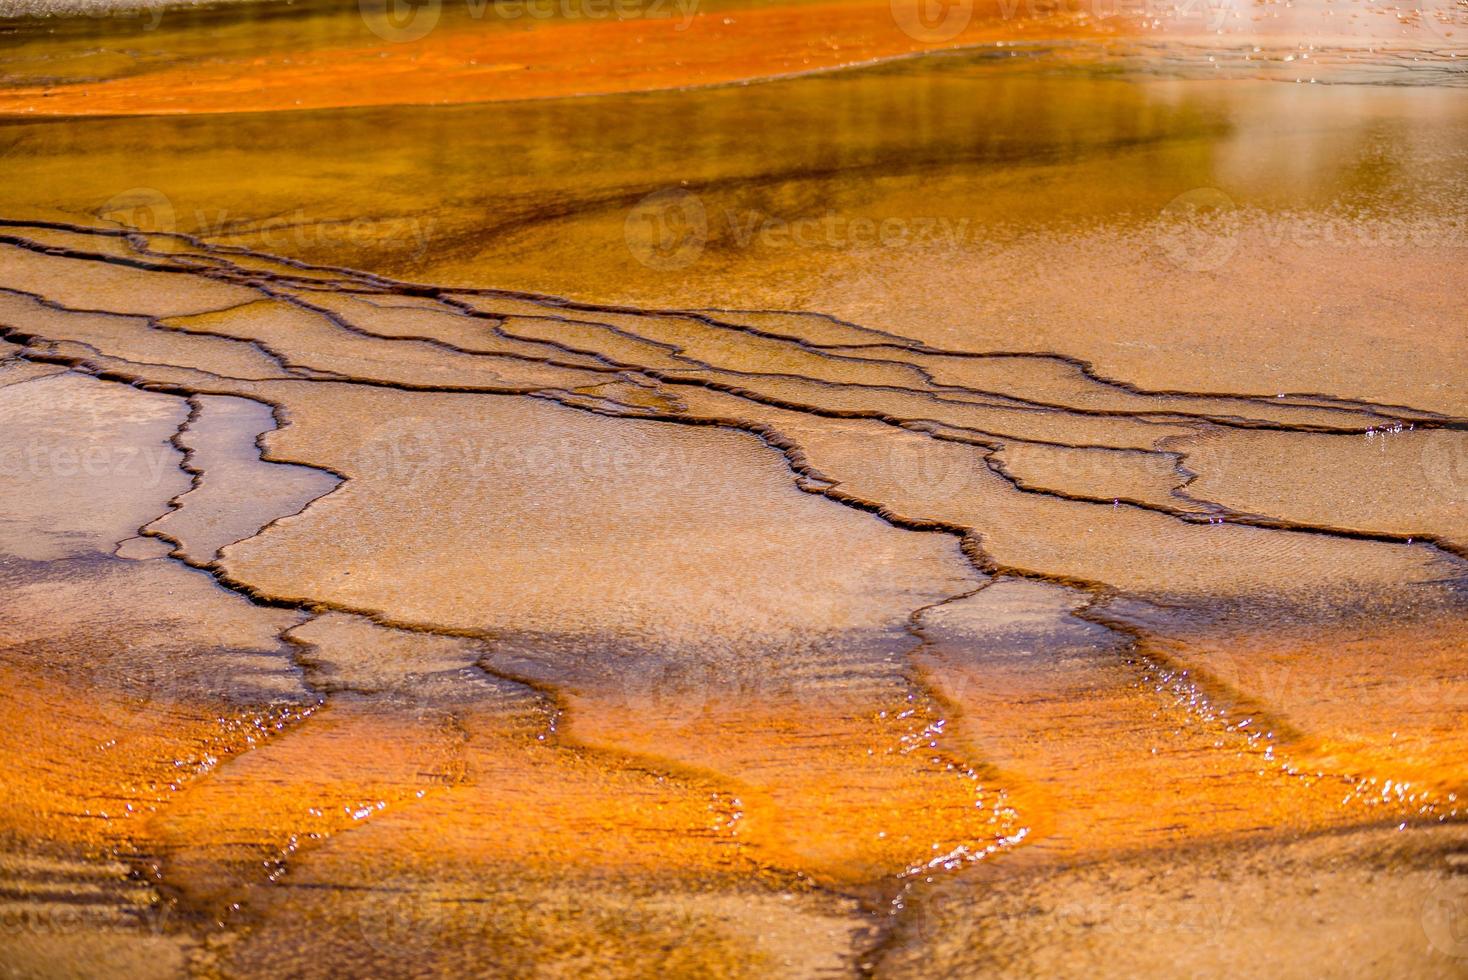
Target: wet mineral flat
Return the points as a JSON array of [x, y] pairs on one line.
[[1001, 510]]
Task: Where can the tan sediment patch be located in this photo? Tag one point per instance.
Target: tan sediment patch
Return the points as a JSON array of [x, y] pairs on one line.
[[632, 632]]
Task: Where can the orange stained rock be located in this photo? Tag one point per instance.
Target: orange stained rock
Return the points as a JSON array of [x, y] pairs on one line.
[[446, 52], [460, 57]]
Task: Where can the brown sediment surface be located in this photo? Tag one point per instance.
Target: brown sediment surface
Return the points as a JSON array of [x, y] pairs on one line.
[[495, 573], [659, 629]]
